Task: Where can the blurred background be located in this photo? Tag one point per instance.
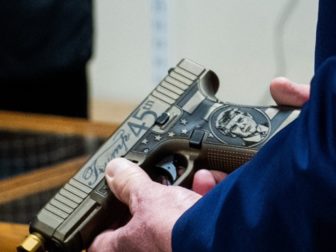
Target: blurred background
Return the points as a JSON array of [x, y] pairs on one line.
[[44, 51], [245, 42]]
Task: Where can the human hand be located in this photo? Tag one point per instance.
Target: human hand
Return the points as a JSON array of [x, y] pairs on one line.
[[154, 208], [284, 92]]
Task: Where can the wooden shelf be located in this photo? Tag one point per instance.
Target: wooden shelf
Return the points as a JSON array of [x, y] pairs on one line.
[[53, 176]]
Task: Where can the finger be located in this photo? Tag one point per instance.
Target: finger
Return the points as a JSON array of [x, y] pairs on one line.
[[205, 180], [218, 175], [126, 180], [287, 92], [131, 237], [106, 241]]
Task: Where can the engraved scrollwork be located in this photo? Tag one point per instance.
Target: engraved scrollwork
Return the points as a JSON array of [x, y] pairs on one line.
[[118, 147]]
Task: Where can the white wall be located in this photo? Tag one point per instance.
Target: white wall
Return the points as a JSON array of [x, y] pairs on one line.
[[235, 38]]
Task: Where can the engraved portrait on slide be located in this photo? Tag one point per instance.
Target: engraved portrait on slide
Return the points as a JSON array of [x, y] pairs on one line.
[[242, 126]]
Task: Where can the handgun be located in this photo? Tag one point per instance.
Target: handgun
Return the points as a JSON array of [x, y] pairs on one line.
[[179, 128]]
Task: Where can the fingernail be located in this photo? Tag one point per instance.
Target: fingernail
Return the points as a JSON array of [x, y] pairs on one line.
[[115, 166]]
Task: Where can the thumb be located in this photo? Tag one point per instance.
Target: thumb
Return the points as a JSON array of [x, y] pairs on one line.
[[126, 179], [287, 92]]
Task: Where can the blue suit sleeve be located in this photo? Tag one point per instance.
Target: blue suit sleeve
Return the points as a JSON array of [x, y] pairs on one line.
[[282, 200], [326, 32]]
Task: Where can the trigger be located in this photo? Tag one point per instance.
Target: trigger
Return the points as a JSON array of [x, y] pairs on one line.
[[168, 167]]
